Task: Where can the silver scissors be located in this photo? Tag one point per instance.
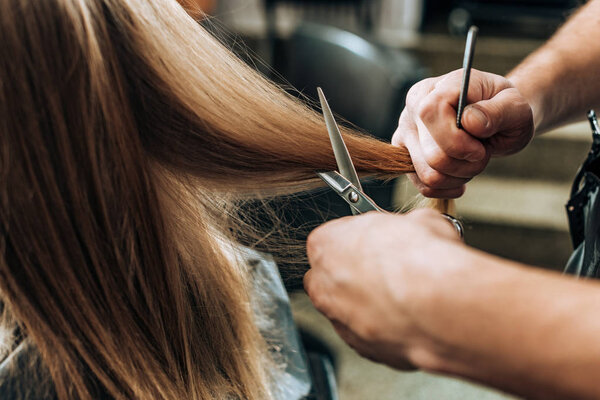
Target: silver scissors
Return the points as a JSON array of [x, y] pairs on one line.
[[345, 182]]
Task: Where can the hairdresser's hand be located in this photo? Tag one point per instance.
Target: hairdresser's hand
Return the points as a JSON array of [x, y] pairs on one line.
[[498, 121], [375, 276]]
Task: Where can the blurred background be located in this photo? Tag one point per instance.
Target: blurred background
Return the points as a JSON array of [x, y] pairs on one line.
[[366, 55]]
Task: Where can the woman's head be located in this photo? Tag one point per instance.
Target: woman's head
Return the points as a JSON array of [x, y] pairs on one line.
[[125, 132]]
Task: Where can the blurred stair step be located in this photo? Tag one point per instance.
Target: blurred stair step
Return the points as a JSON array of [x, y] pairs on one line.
[[516, 202], [506, 201], [519, 219], [523, 220], [546, 248], [443, 53], [554, 156]]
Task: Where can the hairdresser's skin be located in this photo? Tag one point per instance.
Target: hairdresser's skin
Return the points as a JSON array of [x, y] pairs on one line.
[[405, 291]]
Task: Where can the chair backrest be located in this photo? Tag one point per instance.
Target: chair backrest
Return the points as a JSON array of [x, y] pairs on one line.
[[365, 83]]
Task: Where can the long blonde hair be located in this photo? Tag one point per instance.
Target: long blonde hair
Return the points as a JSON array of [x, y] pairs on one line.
[[126, 132]]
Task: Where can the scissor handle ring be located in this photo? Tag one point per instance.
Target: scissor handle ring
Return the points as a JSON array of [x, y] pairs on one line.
[[457, 225]]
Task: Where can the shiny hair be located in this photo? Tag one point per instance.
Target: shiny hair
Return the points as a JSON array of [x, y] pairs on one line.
[[127, 133]]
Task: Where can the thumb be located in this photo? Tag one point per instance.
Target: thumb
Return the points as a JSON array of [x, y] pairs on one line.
[[506, 112]]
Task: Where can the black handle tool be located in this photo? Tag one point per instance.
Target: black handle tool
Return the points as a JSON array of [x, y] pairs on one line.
[[467, 62]]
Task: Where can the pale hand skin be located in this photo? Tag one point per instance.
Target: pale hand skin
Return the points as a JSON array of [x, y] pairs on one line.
[[405, 291], [341, 282], [554, 85], [498, 121]]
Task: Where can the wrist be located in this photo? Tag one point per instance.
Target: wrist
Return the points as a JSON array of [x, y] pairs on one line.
[[532, 95], [439, 305]]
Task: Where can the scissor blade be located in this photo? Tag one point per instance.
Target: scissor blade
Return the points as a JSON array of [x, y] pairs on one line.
[[342, 157], [358, 201]]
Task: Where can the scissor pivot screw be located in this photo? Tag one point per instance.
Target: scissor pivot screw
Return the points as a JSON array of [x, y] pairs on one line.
[[353, 197]]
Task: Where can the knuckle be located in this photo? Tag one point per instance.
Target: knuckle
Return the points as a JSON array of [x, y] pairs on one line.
[[307, 281], [432, 178], [478, 168], [403, 130], [480, 76], [449, 79], [314, 244], [458, 73], [423, 213], [411, 95], [459, 191], [311, 241], [455, 148], [417, 92], [366, 330], [428, 192], [427, 108], [443, 82], [319, 301], [437, 159], [405, 118], [500, 81]]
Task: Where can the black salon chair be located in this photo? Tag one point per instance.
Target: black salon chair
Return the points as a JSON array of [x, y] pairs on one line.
[[364, 83], [325, 12]]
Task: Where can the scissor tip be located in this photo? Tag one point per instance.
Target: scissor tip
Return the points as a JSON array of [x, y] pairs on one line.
[[320, 92], [323, 100]]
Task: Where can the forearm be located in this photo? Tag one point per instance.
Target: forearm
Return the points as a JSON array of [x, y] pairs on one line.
[[529, 332], [561, 80]]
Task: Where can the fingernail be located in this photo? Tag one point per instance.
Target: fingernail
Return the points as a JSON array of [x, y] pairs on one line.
[[479, 116]]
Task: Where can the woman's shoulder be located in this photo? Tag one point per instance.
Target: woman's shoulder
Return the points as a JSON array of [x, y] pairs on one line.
[[23, 376], [274, 319]]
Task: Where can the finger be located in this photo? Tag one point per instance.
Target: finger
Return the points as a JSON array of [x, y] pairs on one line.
[[406, 126], [437, 159], [427, 175], [372, 351], [417, 92], [319, 239], [435, 220], [413, 98], [317, 289], [435, 193], [482, 85], [346, 334], [507, 111], [406, 129], [361, 346], [307, 281], [437, 114]]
